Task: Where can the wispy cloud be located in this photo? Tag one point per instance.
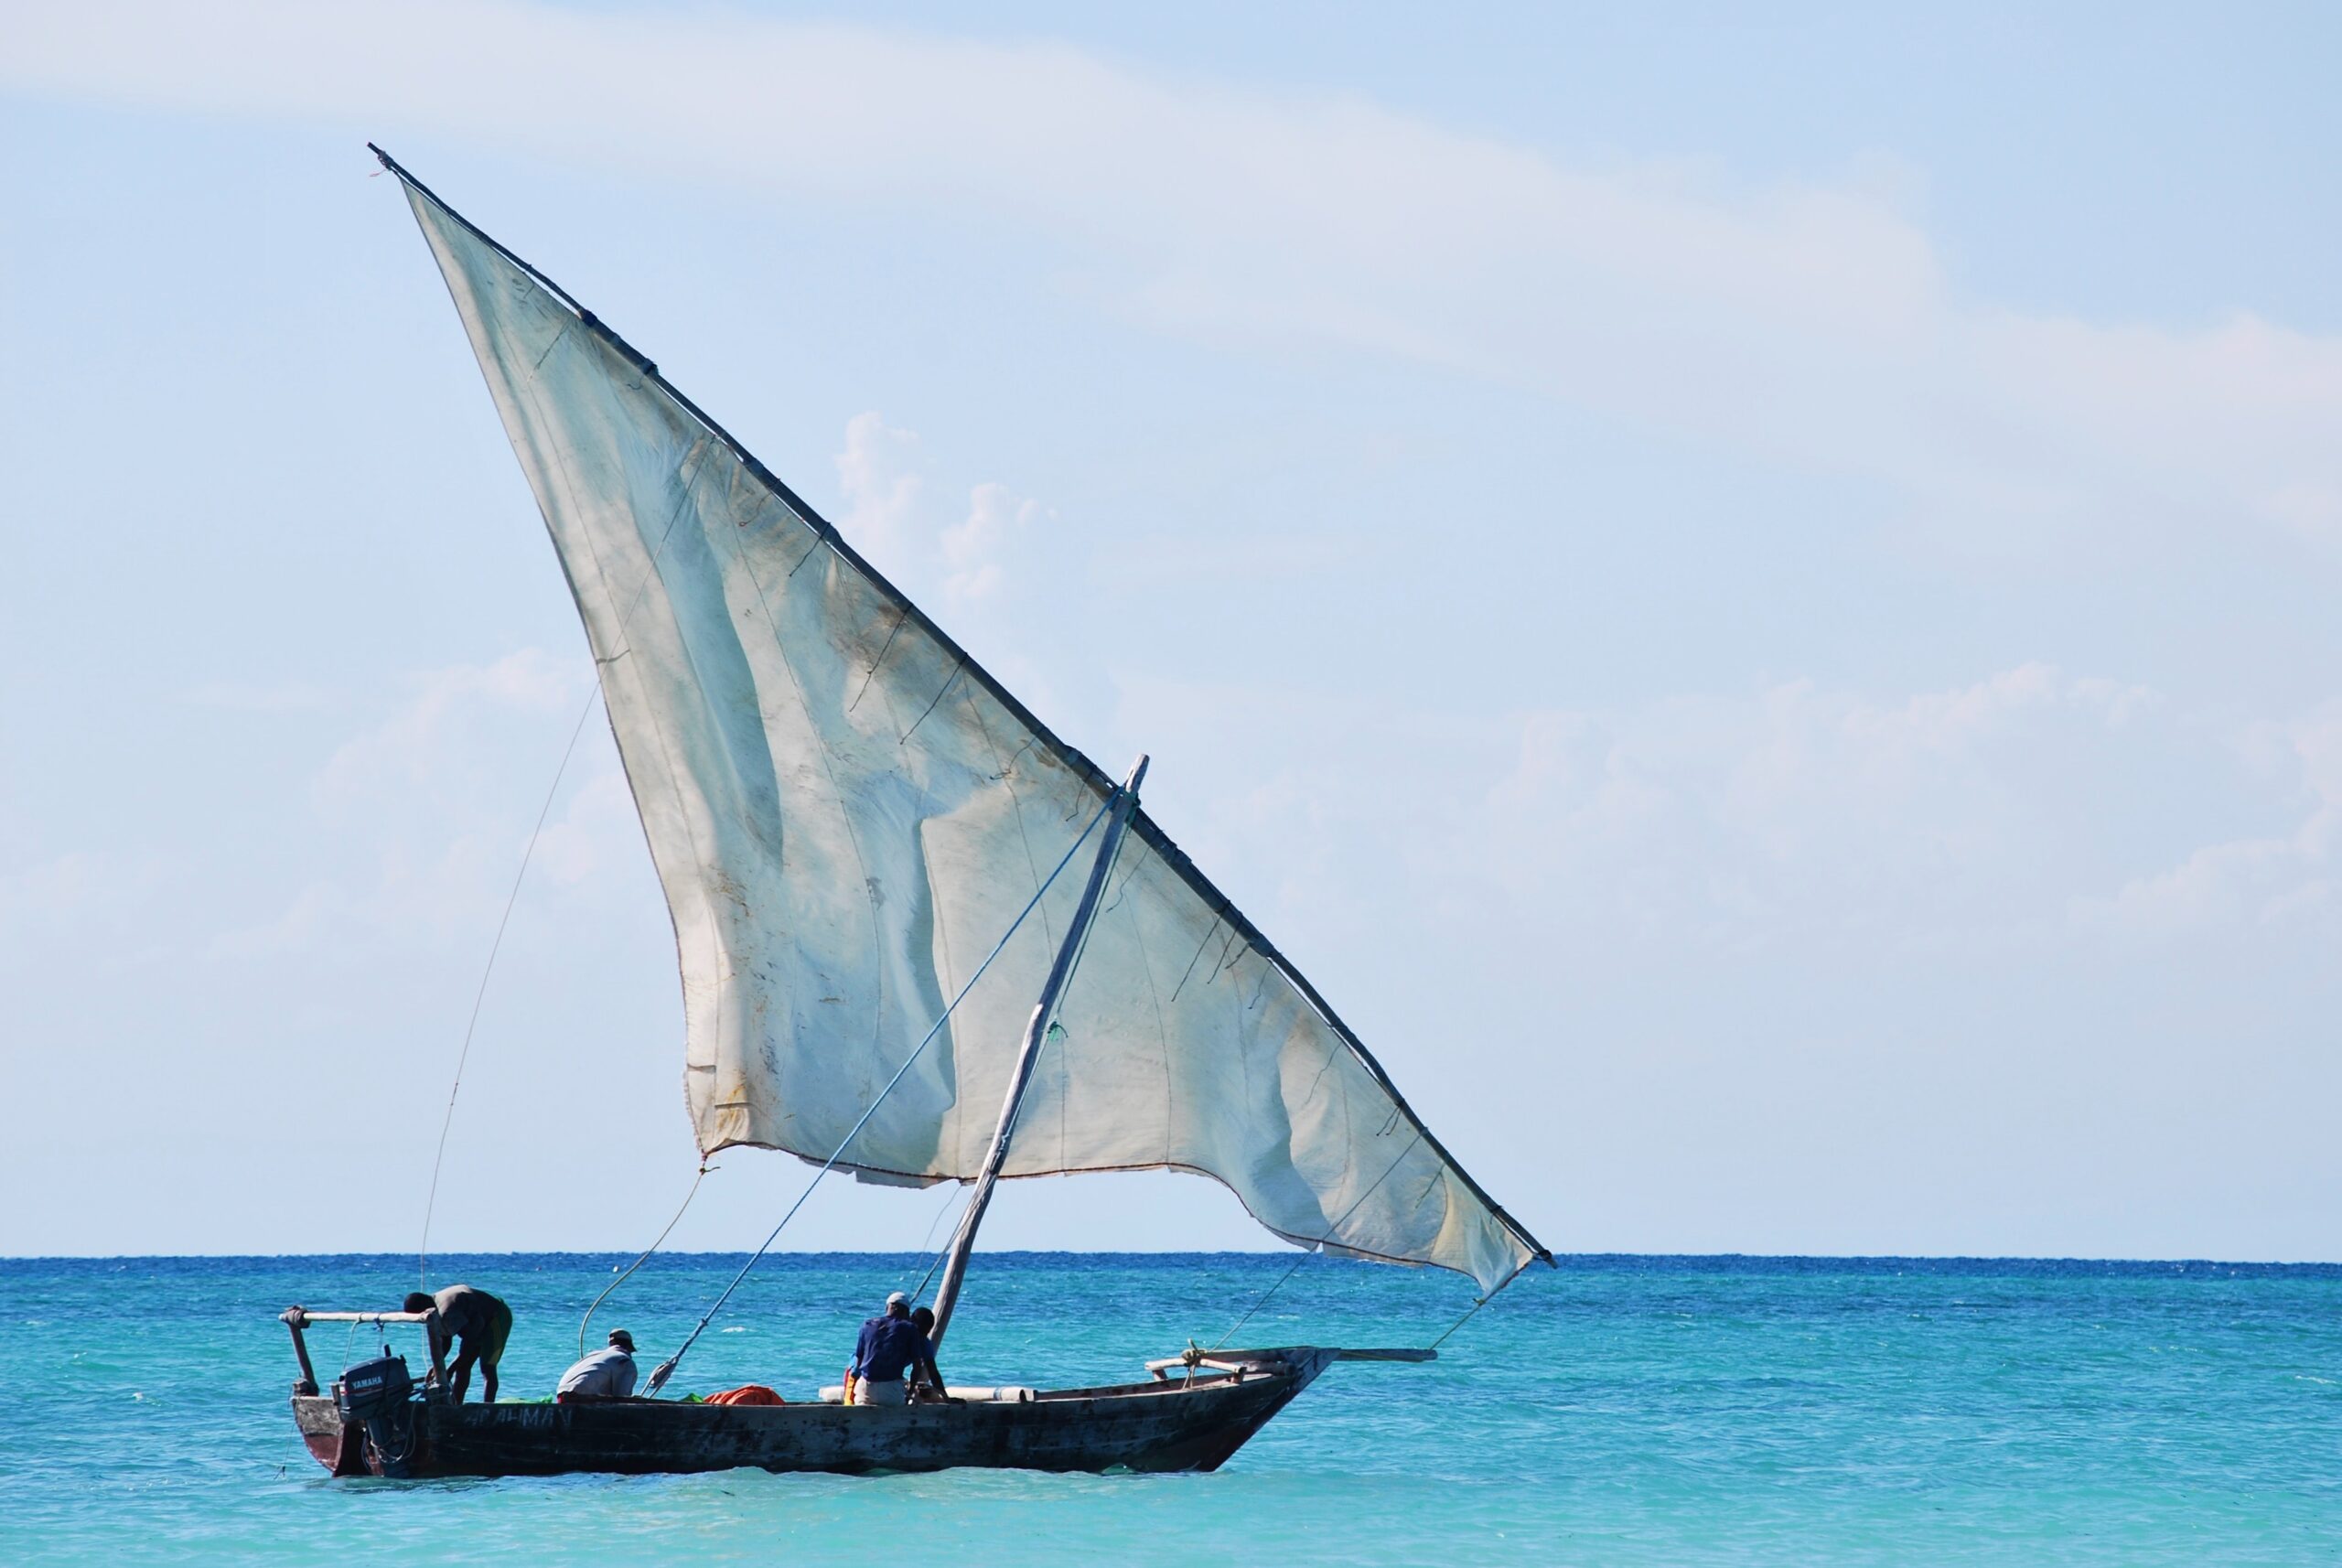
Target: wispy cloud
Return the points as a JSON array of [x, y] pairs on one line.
[[889, 519], [253, 697], [1801, 816], [420, 817], [2265, 882], [976, 547], [1809, 325], [2029, 812], [880, 478], [419, 745], [84, 893]]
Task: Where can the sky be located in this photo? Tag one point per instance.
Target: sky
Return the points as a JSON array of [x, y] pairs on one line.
[[1751, 599]]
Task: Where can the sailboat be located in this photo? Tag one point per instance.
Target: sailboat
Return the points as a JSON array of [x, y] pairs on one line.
[[864, 841]]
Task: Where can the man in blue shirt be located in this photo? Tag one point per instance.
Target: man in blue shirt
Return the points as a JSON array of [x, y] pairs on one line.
[[889, 1347]]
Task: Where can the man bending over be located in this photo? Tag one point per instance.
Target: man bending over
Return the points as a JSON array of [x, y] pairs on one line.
[[475, 1320]]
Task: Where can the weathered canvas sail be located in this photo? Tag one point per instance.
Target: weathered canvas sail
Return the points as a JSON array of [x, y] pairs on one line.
[[846, 814]]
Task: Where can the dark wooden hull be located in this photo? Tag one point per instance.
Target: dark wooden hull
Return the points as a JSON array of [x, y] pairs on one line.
[[1149, 1426]]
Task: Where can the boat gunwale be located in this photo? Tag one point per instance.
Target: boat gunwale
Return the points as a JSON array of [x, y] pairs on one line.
[[1162, 1426], [1147, 1388]]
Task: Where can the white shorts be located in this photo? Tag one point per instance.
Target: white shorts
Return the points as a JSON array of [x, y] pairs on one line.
[[896, 1392]]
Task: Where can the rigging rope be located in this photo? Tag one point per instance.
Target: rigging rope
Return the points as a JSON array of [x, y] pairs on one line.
[[651, 573], [703, 1170], [1051, 1030], [1312, 1247], [423, 1252], [1299, 1259], [666, 1368], [1054, 1030], [934, 1263], [924, 1249], [1477, 1302]]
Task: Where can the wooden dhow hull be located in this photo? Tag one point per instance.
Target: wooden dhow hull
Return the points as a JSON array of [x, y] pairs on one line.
[[1162, 1426]]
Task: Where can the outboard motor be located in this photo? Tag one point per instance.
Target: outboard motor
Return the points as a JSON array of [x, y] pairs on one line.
[[378, 1397]]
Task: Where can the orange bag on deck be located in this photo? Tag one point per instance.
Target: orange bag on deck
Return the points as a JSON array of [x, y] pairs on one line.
[[746, 1394]]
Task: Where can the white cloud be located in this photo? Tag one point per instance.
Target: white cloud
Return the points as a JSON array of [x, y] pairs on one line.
[[599, 830], [882, 489], [1809, 325], [91, 893], [1801, 815], [250, 697], [2313, 512], [420, 744], [425, 814], [2244, 882], [2026, 812], [2315, 741], [887, 519], [2261, 882], [973, 547]]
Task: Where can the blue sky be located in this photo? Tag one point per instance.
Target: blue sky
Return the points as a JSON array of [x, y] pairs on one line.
[[1750, 600]]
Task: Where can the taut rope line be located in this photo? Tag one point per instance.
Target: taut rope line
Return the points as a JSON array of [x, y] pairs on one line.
[[1311, 1251], [703, 1170], [423, 1252], [1477, 1304]]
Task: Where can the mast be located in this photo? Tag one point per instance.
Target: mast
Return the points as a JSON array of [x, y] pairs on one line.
[[964, 1239]]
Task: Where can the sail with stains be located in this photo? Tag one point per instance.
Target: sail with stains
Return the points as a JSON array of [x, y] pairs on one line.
[[846, 813]]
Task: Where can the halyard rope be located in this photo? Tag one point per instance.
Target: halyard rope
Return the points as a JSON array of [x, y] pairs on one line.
[[423, 1253], [924, 1247], [1306, 1252], [1477, 1302], [703, 1170], [1299, 1259]]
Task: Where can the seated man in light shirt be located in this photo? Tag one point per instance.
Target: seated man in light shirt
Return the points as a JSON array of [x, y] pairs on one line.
[[608, 1372]]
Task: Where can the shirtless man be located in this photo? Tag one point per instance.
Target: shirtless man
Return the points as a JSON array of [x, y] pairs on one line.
[[479, 1322]]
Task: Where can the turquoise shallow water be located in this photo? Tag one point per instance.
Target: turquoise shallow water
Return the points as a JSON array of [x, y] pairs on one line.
[[1615, 1410]]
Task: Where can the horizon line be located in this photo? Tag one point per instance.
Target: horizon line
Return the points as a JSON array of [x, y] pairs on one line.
[[1560, 1258]]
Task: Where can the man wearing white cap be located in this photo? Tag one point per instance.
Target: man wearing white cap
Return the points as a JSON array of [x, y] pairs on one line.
[[889, 1347], [607, 1373]]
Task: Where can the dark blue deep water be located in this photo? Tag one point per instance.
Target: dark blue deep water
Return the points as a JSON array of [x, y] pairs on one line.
[[1613, 1410]]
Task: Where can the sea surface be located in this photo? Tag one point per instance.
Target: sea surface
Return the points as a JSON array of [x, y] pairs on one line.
[[1615, 1410]]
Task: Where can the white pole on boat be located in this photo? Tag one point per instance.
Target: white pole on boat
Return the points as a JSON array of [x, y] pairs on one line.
[[964, 1239]]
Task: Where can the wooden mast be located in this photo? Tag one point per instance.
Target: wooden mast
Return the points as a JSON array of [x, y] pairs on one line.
[[964, 1239]]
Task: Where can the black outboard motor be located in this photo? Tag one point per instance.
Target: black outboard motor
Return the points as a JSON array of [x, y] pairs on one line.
[[379, 1395]]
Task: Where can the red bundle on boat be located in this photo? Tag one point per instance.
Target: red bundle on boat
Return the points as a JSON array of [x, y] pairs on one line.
[[746, 1394]]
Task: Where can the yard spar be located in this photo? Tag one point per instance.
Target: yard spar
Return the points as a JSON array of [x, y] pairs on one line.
[[846, 813]]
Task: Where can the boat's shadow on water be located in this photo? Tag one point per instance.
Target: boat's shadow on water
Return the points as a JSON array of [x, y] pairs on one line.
[[737, 1482]]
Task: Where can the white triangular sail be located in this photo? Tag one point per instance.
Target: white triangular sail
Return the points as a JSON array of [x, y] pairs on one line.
[[846, 813]]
